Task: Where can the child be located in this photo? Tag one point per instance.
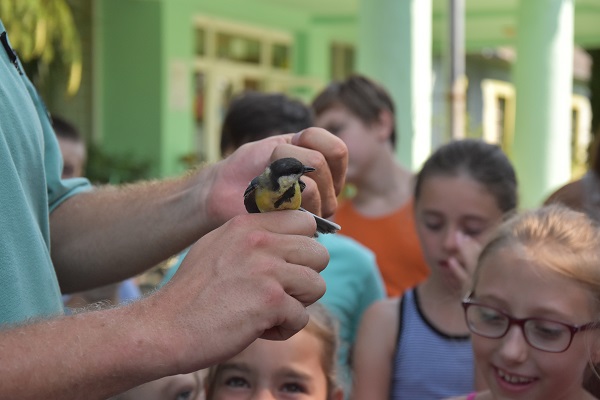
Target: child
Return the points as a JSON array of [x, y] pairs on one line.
[[302, 367], [72, 148], [417, 346], [176, 387], [379, 215], [533, 306], [583, 194]]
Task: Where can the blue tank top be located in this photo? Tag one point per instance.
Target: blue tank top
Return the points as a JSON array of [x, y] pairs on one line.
[[428, 364]]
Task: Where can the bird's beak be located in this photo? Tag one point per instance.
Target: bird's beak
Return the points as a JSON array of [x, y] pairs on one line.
[[306, 169]]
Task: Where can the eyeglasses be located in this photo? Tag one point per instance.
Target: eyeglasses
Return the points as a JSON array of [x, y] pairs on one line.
[[541, 334]]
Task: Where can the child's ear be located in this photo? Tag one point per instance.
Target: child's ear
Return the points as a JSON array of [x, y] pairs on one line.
[[385, 124], [596, 356], [595, 349]]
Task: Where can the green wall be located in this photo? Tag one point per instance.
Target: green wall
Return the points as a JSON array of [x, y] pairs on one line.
[[143, 43], [131, 79]]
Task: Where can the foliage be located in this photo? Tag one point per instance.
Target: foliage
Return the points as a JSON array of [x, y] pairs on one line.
[[43, 32], [114, 169]]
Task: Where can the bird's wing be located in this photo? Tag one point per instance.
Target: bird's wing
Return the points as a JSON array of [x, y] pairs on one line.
[[286, 197], [302, 185], [251, 187], [249, 197], [324, 225]]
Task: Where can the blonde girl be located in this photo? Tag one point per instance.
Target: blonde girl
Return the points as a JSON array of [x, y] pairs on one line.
[[534, 307], [300, 368]]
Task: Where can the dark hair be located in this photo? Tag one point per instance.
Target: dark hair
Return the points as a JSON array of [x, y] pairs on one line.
[[65, 130], [362, 96], [486, 163], [594, 154], [253, 116]]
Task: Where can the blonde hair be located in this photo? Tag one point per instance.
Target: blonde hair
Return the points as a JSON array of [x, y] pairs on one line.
[[559, 238], [321, 325]]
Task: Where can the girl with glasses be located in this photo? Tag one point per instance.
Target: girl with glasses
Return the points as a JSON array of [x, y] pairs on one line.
[[418, 346], [534, 307]]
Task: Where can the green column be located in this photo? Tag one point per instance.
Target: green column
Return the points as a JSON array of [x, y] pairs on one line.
[[543, 80], [130, 67], [394, 47]]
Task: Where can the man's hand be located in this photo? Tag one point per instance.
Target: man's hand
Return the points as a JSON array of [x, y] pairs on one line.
[[112, 233], [221, 186], [250, 278]]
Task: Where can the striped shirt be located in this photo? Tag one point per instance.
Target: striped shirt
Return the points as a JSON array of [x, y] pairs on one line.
[[428, 363]]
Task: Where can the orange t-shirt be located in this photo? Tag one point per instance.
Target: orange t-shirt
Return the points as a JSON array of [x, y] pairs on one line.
[[393, 238]]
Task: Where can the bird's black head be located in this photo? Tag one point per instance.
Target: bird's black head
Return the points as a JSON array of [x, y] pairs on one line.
[[288, 166]]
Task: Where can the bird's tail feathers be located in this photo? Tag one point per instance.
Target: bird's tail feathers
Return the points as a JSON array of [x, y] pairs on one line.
[[324, 225]]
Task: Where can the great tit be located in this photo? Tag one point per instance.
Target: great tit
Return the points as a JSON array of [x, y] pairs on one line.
[[279, 187]]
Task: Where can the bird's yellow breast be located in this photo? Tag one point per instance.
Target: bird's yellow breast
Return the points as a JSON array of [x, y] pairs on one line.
[[267, 200]]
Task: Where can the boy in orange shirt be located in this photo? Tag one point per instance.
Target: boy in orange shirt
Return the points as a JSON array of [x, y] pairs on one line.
[[380, 215]]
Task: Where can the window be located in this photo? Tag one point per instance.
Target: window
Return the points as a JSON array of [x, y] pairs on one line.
[[580, 134], [342, 61], [231, 58], [499, 122], [281, 56], [498, 113], [238, 48], [200, 42]]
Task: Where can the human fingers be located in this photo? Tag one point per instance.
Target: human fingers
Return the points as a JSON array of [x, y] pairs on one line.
[[319, 196], [333, 149], [463, 265], [249, 278], [311, 196], [220, 186], [297, 246], [469, 250], [303, 283], [301, 248], [294, 317], [461, 276], [290, 262], [290, 222], [297, 258]]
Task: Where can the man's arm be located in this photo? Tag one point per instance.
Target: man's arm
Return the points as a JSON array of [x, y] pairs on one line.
[[110, 234], [113, 233], [244, 280]]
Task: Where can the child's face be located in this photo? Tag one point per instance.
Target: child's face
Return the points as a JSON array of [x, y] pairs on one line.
[[176, 387], [74, 156], [363, 142], [447, 206], [286, 370], [512, 368]]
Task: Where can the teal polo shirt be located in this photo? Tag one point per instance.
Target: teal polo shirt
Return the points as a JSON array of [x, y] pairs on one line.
[[30, 188]]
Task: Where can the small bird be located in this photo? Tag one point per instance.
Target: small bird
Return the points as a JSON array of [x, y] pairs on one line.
[[279, 187]]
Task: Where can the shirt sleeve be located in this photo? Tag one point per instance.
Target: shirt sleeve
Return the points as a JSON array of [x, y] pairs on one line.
[[59, 189]]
